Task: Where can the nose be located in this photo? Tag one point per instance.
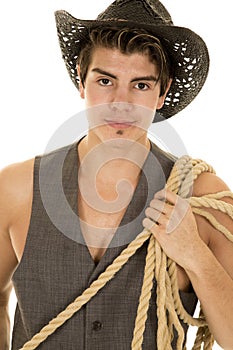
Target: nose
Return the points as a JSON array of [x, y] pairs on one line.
[[121, 101], [121, 106]]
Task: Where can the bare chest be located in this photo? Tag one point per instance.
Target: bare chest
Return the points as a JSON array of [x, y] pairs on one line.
[[98, 227], [101, 210]]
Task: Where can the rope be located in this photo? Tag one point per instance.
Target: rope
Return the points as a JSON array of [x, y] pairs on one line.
[[170, 310]]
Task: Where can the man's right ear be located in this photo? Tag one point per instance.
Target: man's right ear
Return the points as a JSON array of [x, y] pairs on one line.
[[81, 87]]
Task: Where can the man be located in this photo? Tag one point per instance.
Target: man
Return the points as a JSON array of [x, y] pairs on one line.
[[127, 64]]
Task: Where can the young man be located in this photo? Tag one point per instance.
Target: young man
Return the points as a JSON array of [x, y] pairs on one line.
[[66, 215]]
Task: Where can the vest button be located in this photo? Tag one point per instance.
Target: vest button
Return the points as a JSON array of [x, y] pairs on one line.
[[96, 326]]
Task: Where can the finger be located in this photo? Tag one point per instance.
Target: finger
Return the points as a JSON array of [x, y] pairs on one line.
[[149, 225], [161, 206], [160, 195], [152, 213], [154, 228], [155, 215], [166, 195]]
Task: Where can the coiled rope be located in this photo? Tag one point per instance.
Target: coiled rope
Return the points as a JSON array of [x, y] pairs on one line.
[[170, 310]]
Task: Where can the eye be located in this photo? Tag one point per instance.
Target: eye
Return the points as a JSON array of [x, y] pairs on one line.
[[104, 82], [142, 86]]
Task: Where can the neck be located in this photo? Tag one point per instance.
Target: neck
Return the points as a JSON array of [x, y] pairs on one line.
[[109, 172], [116, 158]]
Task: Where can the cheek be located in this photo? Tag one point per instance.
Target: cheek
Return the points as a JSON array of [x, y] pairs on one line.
[[150, 102], [150, 98], [94, 97]]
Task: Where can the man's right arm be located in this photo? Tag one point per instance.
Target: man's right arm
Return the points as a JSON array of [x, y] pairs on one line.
[[5, 320], [8, 260]]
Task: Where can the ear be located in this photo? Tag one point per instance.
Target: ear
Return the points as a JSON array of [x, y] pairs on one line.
[[162, 98], [81, 87]]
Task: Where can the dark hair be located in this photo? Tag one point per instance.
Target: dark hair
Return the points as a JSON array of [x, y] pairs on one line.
[[127, 41]]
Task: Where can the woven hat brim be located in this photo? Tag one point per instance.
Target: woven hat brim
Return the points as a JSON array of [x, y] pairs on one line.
[[187, 50]]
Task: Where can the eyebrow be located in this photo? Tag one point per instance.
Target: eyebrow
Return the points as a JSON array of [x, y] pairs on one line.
[[146, 77], [101, 71]]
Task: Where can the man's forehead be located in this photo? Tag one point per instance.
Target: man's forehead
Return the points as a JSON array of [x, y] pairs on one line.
[[110, 60]]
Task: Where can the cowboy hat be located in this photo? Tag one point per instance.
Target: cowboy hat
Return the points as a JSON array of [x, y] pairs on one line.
[[187, 50]]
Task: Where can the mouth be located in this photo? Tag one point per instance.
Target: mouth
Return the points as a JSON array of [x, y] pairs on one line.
[[120, 124]]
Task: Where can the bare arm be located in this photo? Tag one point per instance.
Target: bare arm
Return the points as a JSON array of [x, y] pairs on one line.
[[8, 263], [15, 185], [204, 253], [4, 311], [211, 273]]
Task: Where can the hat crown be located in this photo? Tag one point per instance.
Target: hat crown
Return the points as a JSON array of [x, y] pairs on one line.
[[141, 11]]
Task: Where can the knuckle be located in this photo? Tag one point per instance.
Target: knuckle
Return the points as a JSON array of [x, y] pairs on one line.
[[152, 203], [144, 221]]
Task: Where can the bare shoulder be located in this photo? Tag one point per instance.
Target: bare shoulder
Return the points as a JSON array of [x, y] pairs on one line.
[[221, 246], [16, 184], [16, 190], [208, 183], [17, 172]]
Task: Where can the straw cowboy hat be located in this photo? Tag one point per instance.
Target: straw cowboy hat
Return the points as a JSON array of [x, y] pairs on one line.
[[186, 49]]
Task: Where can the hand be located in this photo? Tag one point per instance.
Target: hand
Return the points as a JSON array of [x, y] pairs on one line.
[[170, 218]]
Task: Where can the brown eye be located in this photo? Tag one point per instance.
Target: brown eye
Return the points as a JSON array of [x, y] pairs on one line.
[[142, 86], [104, 81]]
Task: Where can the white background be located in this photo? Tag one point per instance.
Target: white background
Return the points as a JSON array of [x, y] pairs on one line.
[[37, 95]]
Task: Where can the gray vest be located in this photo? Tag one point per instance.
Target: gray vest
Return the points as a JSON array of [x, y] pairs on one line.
[[56, 265]]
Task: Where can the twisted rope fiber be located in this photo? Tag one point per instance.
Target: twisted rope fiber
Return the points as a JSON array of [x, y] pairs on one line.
[[170, 310], [165, 328], [203, 336], [145, 296]]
